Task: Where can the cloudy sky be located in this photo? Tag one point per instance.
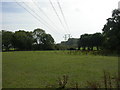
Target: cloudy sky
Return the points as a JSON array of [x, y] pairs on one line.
[[82, 16]]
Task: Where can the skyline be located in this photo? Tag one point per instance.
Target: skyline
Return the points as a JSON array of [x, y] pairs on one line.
[[82, 13]]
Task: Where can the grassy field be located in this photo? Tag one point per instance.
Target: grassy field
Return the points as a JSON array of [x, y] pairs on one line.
[[36, 69]]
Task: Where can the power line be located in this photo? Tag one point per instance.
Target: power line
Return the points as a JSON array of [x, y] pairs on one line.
[[63, 14], [41, 18], [44, 13], [34, 16], [40, 9], [31, 13], [56, 13]]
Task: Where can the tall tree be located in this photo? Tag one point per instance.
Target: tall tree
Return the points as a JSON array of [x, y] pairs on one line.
[[42, 40], [90, 40], [111, 31], [48, 42], [37, 35], [97, 39], [7, 37], [22, 40], [83, 41]]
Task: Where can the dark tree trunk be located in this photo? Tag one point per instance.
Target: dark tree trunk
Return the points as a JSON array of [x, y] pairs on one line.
[[97, 48], [79, 47], [88, 48], [91, 48], [84, 48]]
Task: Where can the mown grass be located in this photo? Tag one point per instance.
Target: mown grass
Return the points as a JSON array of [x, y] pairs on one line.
[[37, 69]]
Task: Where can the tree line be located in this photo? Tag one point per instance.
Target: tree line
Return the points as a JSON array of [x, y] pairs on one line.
[[109, 39], [89, 41], [25, 40]]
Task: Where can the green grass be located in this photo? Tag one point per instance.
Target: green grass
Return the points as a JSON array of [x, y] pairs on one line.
[[36, 69]]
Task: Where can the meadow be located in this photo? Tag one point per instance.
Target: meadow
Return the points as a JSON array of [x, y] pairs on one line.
[[37, 69]]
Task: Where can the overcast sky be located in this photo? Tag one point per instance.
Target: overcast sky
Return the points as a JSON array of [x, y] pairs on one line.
[[82, 16]]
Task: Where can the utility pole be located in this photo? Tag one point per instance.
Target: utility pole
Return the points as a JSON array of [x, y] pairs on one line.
[[67, 36]]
